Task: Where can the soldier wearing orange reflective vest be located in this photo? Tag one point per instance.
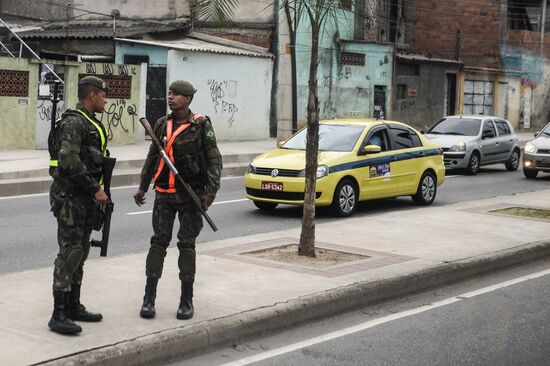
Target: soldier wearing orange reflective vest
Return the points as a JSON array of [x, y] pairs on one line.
[[190, 143], [77, 148]]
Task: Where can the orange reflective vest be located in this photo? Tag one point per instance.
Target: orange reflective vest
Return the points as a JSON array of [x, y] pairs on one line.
[[171, 137]]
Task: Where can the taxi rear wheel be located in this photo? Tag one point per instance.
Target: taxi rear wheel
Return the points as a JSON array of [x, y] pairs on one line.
[[427, 189], [266, 206], [345, 198]]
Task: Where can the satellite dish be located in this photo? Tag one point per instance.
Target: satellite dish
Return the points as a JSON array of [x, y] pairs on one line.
[[115, 13]]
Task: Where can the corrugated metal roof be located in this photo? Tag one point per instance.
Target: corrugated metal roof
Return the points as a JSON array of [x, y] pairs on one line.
[[423, 58], [197, 45]]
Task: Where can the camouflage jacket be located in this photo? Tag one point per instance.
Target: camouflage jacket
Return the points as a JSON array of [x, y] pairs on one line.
[[196, 156], [78, 147]]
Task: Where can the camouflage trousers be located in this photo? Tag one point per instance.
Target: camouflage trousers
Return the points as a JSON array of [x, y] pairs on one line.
[[74, 214], [190, 224]]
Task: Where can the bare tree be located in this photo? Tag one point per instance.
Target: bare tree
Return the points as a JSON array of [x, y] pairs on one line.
[[318, 13]]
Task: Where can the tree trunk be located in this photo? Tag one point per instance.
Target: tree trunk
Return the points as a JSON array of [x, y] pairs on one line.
[[307, 237]]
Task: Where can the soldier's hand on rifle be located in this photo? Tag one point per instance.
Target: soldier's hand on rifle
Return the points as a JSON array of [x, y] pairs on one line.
[[206, 201], [139, 197], [101, 198]]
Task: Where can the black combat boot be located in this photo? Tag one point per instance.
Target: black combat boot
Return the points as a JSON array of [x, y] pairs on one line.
[[185, 310], [148, 307], [77, 311], [60, 321]]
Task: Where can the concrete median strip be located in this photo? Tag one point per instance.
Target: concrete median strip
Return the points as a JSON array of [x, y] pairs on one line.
[[180, 342]]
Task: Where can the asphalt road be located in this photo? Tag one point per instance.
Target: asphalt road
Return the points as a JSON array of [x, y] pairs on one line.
[[499, 319], [28, 230]]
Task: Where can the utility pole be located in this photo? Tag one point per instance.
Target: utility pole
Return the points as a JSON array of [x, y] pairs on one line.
[[67, 7]]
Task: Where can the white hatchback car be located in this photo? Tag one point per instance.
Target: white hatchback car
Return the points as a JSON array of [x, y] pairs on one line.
[[469, 142]]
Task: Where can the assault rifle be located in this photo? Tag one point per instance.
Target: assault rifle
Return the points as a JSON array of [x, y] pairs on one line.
[[108, 167], [171, 166]]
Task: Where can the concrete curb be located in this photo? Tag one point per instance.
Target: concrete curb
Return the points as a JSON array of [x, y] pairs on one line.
[[177, 343]]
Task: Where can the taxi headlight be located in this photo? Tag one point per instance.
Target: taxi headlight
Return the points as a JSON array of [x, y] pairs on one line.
[[322, 170], [251, 169], [530, 148], [461, 146]]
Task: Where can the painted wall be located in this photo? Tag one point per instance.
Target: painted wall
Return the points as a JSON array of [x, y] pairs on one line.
[[234, 91], [344, 90], [254, 11], [157, 55], [19, 113], [121, 115], [428, 105]]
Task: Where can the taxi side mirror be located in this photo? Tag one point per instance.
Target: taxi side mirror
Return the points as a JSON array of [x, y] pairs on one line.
[[280, 143], [372, 149]]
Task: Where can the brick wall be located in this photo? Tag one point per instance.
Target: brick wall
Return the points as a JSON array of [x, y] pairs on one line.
[[436, 23]]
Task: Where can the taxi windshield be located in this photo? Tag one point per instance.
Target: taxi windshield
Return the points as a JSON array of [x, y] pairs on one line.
[[331, 138]]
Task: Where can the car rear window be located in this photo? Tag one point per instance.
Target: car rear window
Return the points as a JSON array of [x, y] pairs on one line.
[[456, 126], [502, 127], [331, 138]]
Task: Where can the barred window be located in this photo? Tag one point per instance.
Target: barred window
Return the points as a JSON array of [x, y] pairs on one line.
[[120, 86], [14, 83], [355, 59]]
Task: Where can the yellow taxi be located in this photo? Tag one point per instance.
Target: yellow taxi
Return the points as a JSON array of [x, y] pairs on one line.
[[359, 160]]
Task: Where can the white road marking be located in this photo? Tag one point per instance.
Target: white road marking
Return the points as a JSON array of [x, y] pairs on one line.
[[375, 322], [215, 203]]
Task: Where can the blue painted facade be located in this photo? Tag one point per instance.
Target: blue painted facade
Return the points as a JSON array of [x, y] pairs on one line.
[[157, 55], [344, 90]]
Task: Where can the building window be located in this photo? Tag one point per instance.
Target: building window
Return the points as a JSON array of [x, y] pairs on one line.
[[346, 4], [407, 69], [524, 15], [14, 83], [401, 91], [120, 86], [478, 97], [354, 59]]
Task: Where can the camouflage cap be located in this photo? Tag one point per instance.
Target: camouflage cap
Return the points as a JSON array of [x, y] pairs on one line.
[[95, 82], [182, 87]]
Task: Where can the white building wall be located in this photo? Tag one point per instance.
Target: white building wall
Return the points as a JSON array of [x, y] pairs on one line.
[[234, 91]]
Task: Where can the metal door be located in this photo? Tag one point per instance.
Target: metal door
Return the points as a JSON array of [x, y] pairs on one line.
[[156, 94]]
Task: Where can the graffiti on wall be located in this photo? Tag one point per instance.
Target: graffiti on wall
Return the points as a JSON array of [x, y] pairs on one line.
[[113, 116], [120, 114], [45, 110], [221, 94]]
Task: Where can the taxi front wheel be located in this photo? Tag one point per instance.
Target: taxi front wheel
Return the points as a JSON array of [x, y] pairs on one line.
[[345, 198], [427, 189]]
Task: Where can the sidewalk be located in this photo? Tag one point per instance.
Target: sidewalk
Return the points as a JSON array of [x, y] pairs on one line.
[[237, 296], [26, 171]]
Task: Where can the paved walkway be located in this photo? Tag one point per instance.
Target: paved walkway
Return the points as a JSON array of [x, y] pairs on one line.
[[237, 296]]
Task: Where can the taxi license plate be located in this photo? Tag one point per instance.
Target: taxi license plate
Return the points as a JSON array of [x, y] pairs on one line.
[[272, 186]]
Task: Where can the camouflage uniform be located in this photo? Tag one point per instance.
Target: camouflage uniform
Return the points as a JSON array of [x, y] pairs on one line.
[[76, 179], [198, 160]]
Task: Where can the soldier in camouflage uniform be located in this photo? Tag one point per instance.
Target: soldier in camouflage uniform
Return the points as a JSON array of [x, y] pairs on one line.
[[191, 144], [77, 146]]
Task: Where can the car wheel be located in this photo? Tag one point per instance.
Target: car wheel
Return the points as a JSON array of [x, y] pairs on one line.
[[513, 163], [473, 164], [427, 189], [530, 174], [345, 198], [265, 206]]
